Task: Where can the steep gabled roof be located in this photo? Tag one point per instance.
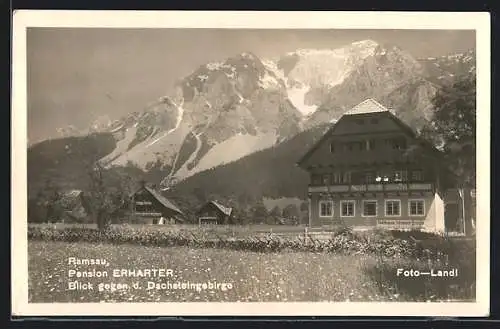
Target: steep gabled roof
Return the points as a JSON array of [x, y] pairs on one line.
[[412, 133], [73, 193], [164, 201], [368, 106], [158, 196], [319, 142], [71, 198], [225, 210]]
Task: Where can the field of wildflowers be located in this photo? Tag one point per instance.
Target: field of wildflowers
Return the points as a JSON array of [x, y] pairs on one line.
[[350, 266]]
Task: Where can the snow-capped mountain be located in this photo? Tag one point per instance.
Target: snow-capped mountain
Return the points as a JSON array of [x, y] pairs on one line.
[[307, 70], [69, 130], [218, 114], [388, 68], [227, 110]]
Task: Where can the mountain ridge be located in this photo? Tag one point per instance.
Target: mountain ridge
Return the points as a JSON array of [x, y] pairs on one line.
[[229, 110]]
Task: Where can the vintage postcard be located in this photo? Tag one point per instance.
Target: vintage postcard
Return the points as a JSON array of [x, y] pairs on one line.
[[250, 163]]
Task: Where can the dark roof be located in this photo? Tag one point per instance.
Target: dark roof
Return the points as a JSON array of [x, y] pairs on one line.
[[71, 195], [225, 210], [71, 198], [158, 196], [369, 106], [319, 142]]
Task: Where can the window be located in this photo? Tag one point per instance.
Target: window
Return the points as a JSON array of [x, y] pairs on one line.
[[332, 148], [393, 207], [374, 121], [148, 203], [416, 207], [382, 177], [369, 177], [396, 143], [400, 176], [347, 208], [353, 146], [358, 177], [370, 145], [369, 208], [404, 175], [357, 146], [325, 179], [325, 208], [360, 121], [346, 177], [337, 177], [144, 206], [399, 144], [347, 147], [417, 175]]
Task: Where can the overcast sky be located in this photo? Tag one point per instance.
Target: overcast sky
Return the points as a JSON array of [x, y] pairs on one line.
[[77, 75]]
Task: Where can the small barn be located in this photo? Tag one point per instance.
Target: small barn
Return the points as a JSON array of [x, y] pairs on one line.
[[149, 206], [64, 206], [214, 212], [72, 206]]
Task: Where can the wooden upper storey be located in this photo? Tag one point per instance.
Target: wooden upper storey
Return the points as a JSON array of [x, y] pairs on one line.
[[368, 135]]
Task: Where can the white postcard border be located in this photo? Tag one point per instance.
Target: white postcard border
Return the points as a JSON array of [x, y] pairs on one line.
[[22, 19]]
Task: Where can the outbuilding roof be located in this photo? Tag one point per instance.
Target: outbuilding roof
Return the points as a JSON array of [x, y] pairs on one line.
[[226, 210], [158, 196]]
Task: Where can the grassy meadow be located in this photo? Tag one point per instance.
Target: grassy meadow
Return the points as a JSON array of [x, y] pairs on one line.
[[346, 268]]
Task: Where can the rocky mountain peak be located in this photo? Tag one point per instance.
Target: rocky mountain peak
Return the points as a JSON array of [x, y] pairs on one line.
[[228, 109]]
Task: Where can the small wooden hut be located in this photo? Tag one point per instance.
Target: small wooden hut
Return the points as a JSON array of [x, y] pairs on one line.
[[214, 212], [149, 206]]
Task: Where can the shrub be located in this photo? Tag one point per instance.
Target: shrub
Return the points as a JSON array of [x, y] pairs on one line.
[[342, 241]]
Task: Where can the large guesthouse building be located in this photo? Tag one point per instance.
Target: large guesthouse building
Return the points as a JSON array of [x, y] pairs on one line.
[[371, 170]]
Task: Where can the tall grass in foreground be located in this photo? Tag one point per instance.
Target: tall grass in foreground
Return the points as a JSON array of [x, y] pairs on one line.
[[380, 254]]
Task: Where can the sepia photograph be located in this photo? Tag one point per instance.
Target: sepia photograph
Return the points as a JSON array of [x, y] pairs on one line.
[[244, 163]]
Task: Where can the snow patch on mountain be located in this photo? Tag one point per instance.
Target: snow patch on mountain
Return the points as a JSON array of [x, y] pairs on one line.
[[269, 82], [232, 149], [121, 145], [147, 153], [213, 66], [180, 114], [297, 96], [156, 146], [330, 67], [117, 128], [69, 130], [101, 123], [271, 65], [317, 68]]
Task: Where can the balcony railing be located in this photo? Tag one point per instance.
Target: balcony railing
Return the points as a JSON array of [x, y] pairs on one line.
[[379, 187], [147, 213]]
